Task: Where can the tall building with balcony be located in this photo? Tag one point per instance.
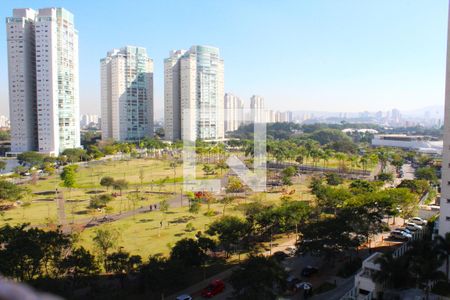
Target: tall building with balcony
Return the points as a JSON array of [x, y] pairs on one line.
[[234, 112], [194, 94], [127, 94], [43, 80]]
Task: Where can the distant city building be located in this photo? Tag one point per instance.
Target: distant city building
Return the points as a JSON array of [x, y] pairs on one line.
[[127, 94], [234, 112], [396, 116], [89, 121], [257, 108], [4, 122], [194, 87], [43, 80]]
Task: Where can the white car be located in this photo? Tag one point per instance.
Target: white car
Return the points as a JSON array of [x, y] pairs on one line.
[[184, 297], [418, 221], [413, 226], [399, 235], [403, 233]]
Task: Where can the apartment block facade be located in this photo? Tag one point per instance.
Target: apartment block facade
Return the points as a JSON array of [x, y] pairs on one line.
[[194, 94], [234, 112], [43, 80], [127, 94]]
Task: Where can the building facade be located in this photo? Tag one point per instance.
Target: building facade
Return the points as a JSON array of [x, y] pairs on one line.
[[43, 80], [127, 94], [234, 112], [194, 94], [257, 107], [444, 217]]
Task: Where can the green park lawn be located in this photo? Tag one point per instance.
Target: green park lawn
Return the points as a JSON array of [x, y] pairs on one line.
[[140, 234]]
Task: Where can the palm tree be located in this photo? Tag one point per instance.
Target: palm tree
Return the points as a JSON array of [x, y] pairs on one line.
[[392, 271], [364, 161], [424, 264], [442, 244], [341, 158]]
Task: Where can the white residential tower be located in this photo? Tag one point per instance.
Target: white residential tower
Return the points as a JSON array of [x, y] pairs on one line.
[[43, 80], [127, 94]]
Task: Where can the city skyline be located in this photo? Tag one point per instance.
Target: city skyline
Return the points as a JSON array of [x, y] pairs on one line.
[[390, 64]]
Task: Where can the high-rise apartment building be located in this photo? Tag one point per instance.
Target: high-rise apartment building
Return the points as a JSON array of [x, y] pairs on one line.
[[43, 80], [194, 94], [257, 107], [234, 112], [444, 217], [127, 94]]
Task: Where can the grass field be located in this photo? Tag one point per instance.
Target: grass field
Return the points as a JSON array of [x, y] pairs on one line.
[[140, 234]]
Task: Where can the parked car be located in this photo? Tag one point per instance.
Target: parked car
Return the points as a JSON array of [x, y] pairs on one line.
[[309, 271], [184, 297], [397, 232], [418, 221], [399, 235], [413, 226], [214, 288], [406, 230]]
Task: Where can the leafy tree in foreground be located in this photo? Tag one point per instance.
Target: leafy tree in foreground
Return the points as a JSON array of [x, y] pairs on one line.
[[188, 252], [258, 278], [230, 230], [80, 262], [105, 239]]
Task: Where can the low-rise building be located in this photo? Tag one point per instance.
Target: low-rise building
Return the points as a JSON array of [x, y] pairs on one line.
[[418, 143]]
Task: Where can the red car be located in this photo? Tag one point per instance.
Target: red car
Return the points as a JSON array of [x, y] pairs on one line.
[[214, 288]]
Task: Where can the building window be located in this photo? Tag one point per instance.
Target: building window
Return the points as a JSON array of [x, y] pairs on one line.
[[447, 218]]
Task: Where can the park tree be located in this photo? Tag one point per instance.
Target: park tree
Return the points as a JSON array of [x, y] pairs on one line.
[[188, 252], [107, 181], [426, 173], [227, 200], [385, 177], [99, 201], [360, 186], [105, 239], [416, 186], [334, 179], [68, 176], [258, 277], [11, 192], [230, 230], [194, 206], [31, 159], [75, 155], [49, 168], [80, 262], [221, 165], [2, 166], [234, 185], [120, 184], [208, 170]]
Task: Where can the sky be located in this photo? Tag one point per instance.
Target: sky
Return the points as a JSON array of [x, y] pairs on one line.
[[323, 55]]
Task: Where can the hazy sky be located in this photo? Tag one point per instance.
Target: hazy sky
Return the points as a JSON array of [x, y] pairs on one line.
[[345, 55]]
